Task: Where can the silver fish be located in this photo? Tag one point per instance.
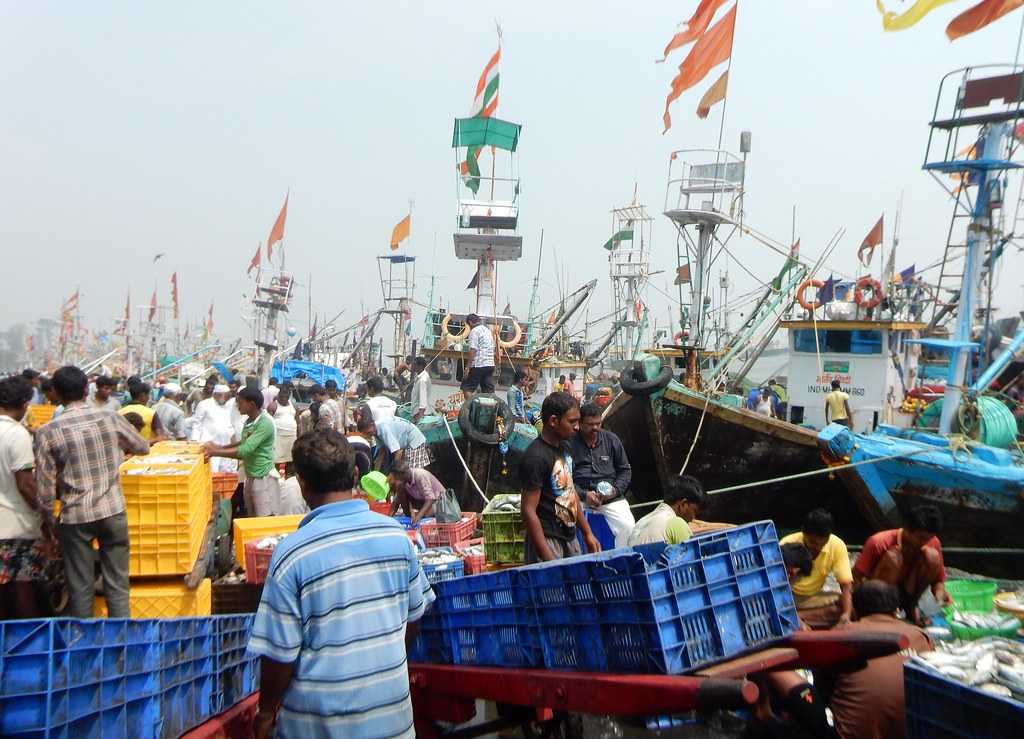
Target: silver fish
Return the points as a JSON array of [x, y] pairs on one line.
[[996, 689]]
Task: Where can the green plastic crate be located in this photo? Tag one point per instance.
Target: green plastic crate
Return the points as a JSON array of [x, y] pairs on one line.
[[504, 534]]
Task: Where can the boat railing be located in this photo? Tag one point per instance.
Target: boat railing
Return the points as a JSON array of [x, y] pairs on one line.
[[629, 263], [968, 100], [713, 177]]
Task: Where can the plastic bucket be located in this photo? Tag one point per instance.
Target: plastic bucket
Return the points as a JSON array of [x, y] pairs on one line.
[[972, 595], [376, 485]]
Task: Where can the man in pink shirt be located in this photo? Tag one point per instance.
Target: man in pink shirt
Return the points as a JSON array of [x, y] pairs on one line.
[[415, 489]]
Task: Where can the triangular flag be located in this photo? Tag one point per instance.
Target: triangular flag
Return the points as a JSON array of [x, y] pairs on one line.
[[907, 275], [277, 230], [715, 94], [683, 275], [909, 17], [254, 264], [979, 16], [827, 293], [401, 231], [209, 319], [476, 279], [508, 309], [152, 306], [873, 239]]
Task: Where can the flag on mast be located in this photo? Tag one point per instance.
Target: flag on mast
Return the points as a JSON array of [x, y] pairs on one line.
[[277, 230], [152, 306], [485, 105], [683, 275], [698, 24], [254, 264], [873, 239], [713, 48], [174, 294], [715, 94], [123, 328], [976, 18], [401, 231], [209, 320]]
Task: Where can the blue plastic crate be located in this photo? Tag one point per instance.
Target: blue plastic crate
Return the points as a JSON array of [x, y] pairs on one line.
[[33, 712], [489, 621], [431, 643], [600, 529], [236, 683], [940, 708], [436, 573]]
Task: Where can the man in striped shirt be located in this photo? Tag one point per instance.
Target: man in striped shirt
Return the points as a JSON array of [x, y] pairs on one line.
[[341, 601]]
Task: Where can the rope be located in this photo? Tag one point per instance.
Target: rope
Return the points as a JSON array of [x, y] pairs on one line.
[[700, 425], [798, 475], [464, 465]]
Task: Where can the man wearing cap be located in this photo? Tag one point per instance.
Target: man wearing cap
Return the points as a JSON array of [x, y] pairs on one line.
[[481, 358], [212, 423], [172, 417]]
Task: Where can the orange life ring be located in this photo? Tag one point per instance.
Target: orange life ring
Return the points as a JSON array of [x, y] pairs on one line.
[[864, 283], [817, 284]]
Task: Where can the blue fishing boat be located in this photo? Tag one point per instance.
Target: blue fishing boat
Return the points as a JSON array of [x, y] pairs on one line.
[[971, 468]]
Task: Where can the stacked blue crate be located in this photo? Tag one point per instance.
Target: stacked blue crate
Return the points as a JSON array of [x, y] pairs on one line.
[[237, 673], [938, 706], [186, 673]]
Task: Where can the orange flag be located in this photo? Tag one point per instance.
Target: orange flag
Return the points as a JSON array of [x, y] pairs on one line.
[[985, 12], [873, 239], [254, 264], [152, 306], [697, 25], [401, 231], [174, 294], [715, 94], [713, 48], [277, 230]]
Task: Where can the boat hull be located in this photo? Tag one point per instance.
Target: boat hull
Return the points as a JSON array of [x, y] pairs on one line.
[[734, 447]]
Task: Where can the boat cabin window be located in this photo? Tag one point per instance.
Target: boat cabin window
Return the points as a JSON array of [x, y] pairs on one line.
[[836, 341]]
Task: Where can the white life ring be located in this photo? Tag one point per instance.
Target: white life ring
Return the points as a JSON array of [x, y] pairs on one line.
[[448, 338], [515, 340]]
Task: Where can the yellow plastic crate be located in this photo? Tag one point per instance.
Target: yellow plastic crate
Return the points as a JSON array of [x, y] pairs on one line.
[[164, 600], [38, 415], [176, 447], [165, 549], [254, 529], [169, 493]]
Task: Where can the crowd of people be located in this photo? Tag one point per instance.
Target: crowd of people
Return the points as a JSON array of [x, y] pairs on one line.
[[313, 460]]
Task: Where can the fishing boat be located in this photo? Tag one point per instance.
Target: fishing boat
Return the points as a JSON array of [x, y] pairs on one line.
[[972, 468]]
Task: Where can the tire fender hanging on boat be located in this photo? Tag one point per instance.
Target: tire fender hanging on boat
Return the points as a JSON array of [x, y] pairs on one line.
[[474, 434], [634, 380], [817, 284], [864, 284]]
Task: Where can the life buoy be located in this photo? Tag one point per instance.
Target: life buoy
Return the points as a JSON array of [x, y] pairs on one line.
[[466, 424], [867, 283], [817, 284], [634, 380], [515, 340], [448, 338]]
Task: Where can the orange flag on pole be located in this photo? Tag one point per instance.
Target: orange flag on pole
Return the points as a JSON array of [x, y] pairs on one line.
[[713, 48], [976, 18], [401, 231], [873, 239], [152, 306], [277, 230], [254, 264], [697, 25], [174, 294], [209, 319], [715, 94]]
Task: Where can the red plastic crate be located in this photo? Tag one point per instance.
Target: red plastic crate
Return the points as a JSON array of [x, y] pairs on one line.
[[449, 534], [257, 562], [473, 564]]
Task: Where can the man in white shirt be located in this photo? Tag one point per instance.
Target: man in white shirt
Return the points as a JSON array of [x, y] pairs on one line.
[[172, 417], [481, 359], [381, 406], [420, 399], [213, 423], [25, 529]]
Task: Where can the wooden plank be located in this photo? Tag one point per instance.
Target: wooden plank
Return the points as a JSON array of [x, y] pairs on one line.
[[747, 664]]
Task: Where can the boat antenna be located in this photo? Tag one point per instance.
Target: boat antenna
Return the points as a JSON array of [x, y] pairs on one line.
[[533, 294]]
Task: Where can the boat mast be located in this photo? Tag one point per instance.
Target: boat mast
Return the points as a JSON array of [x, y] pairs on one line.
[[531, 330]]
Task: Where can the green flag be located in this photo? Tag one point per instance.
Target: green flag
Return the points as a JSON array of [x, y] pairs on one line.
[[623, 235]]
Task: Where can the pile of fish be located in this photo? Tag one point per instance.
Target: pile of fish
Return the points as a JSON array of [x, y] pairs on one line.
[[1013, 600], [994, 620], [438, 557], [992, 664], [509, 504]]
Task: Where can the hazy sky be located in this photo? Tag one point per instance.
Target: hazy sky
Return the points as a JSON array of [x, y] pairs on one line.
[[131, 128]]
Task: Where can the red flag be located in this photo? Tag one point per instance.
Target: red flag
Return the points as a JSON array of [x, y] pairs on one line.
[[683, 275], [976, 18], [873, 239], [638, 308], [698, 24], [256, 261], [711, 49], [209, 319], [30, 344], [174, 294], [794, 251], [715, 94], [277, 230], [152, 306], [123, 328]]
